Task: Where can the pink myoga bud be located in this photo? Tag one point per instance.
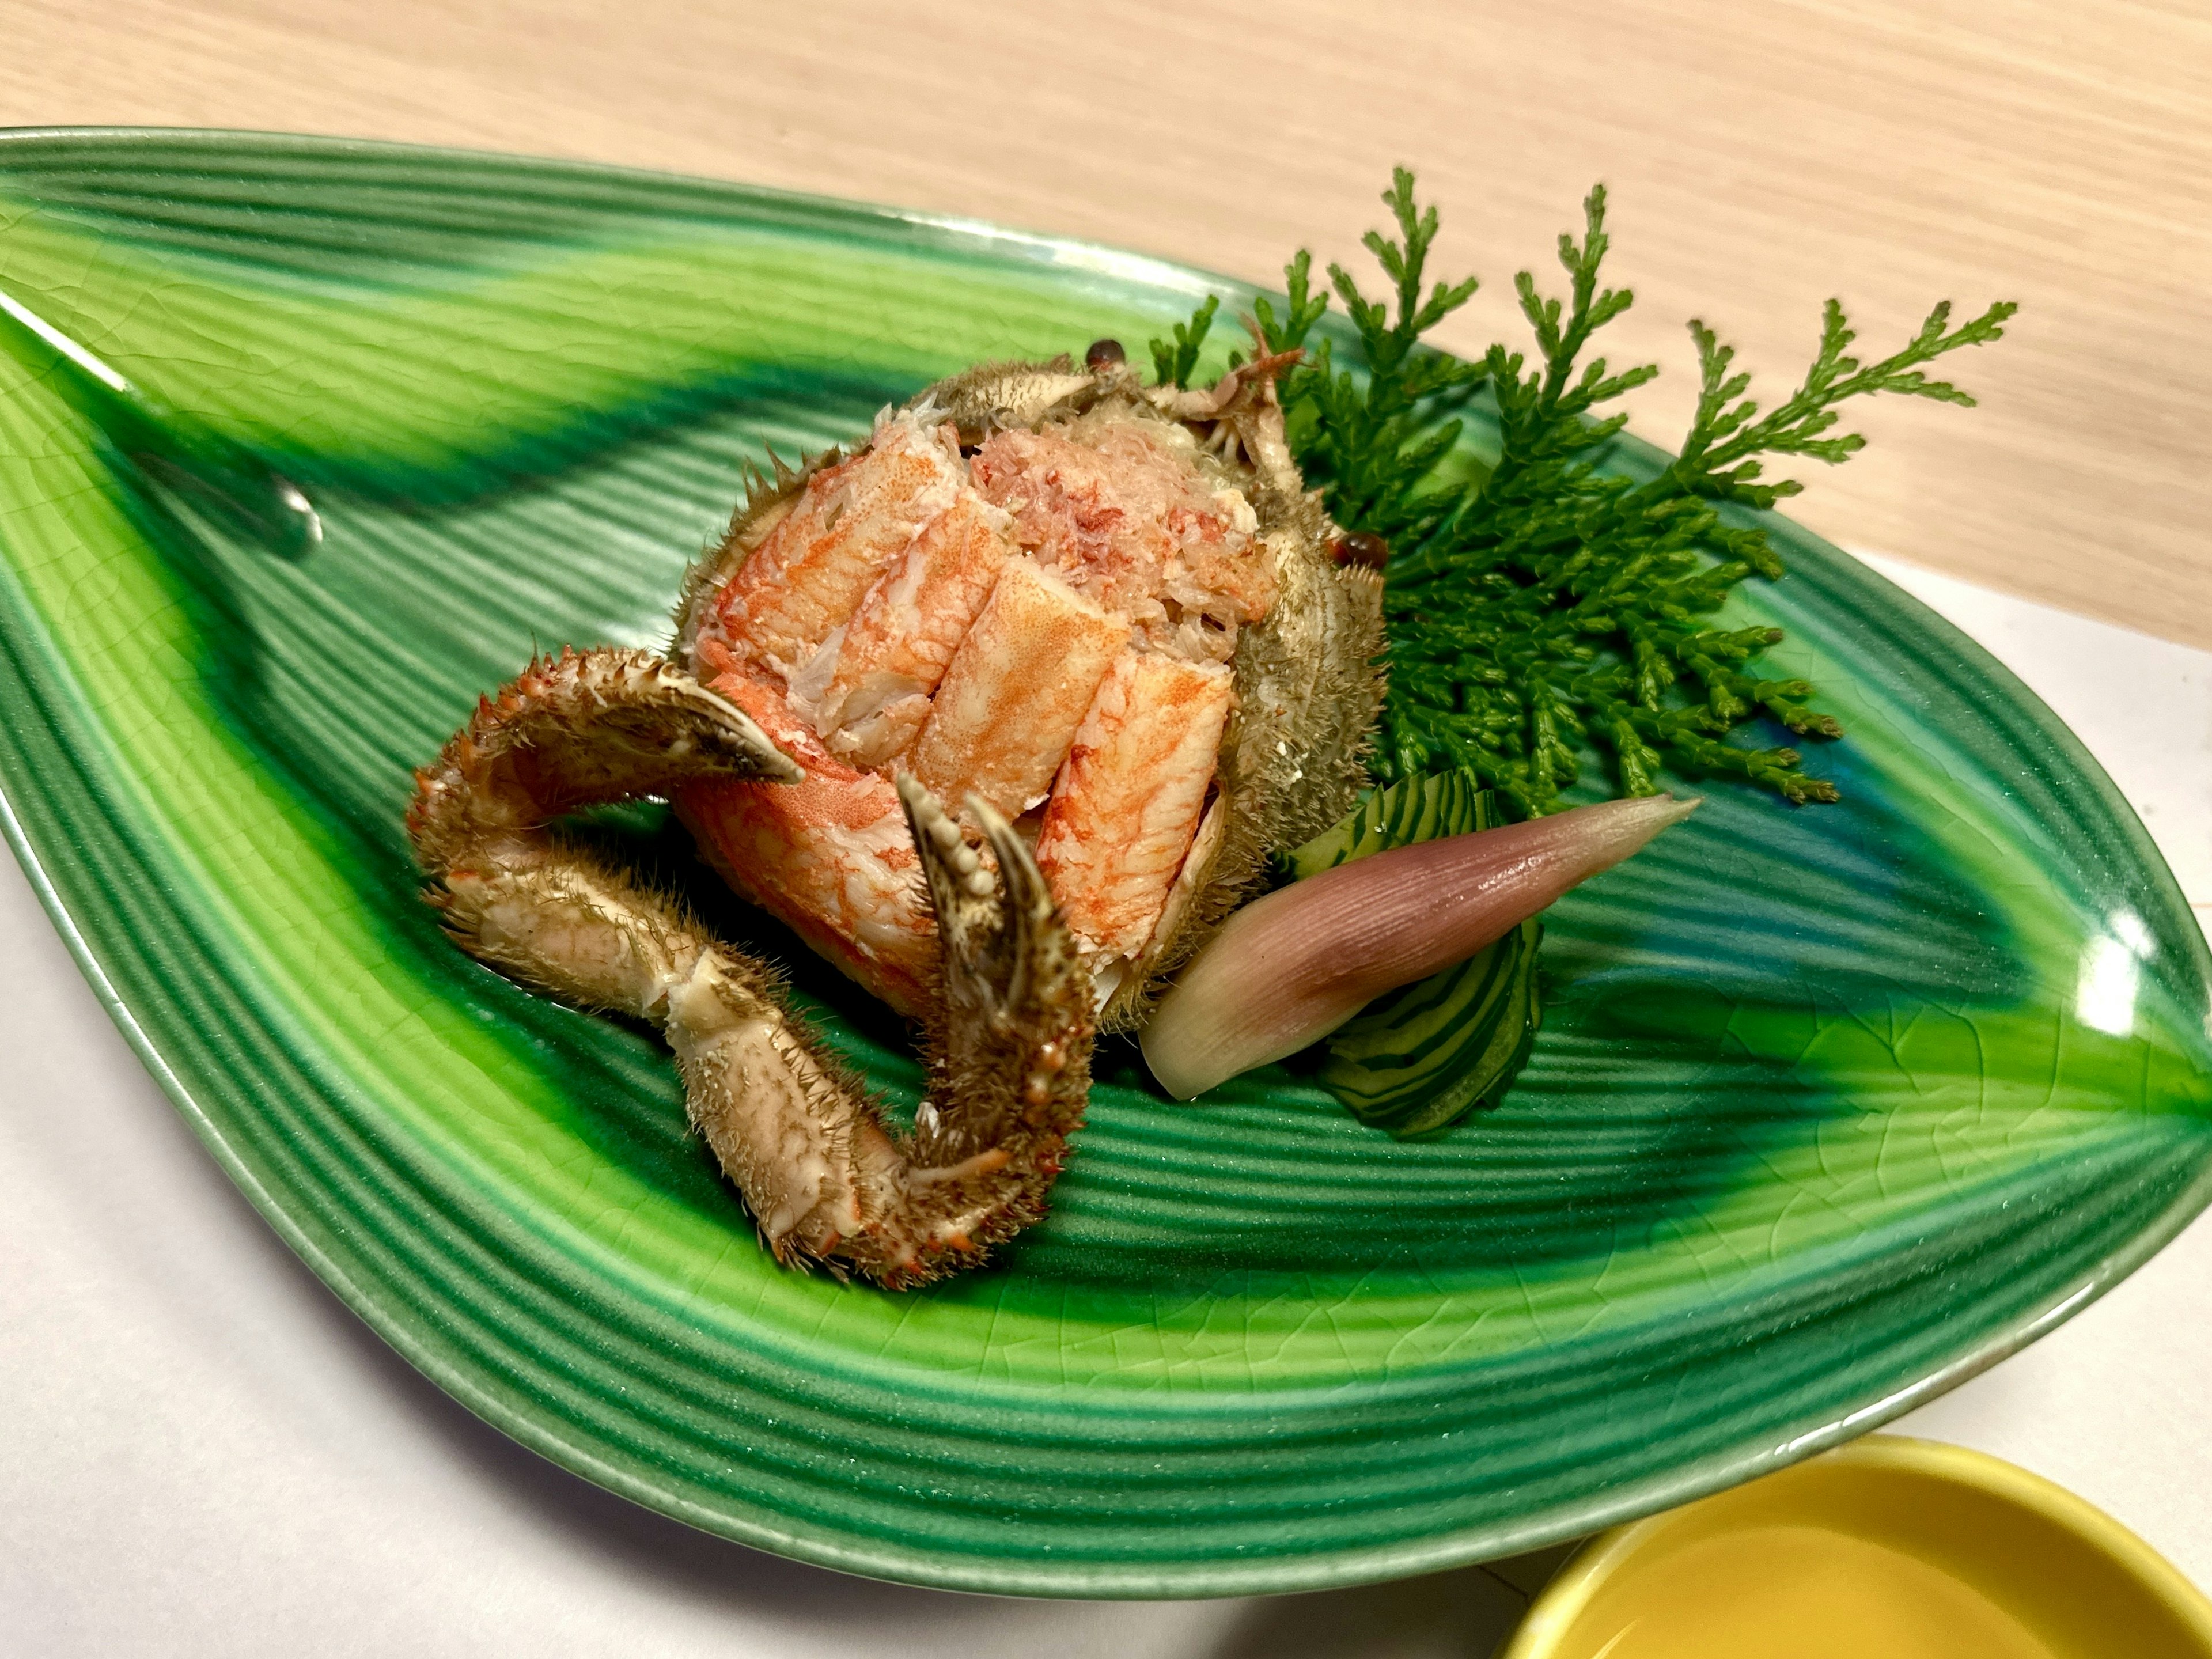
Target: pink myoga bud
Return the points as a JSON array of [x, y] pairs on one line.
[[1289, 969]]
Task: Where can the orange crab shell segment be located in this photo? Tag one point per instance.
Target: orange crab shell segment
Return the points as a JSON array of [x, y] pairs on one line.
[[1128, 800], [1018, 688], [894, 652], [830, 856], [851, 521]]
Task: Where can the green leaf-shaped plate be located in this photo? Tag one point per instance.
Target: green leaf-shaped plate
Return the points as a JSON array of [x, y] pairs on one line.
[[1832, 1107]]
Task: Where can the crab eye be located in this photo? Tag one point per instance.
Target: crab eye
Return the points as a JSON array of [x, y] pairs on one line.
[[1370, 552]]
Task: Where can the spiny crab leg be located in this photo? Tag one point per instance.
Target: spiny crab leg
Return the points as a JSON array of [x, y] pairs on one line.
[[1009, 1037], [1010, 1041]]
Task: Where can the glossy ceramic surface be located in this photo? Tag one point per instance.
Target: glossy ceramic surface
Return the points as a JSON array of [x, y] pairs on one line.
[[1892, 1547], [1830, 1107]]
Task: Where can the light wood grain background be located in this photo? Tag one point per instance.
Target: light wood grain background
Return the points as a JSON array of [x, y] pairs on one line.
[[1761, 156]]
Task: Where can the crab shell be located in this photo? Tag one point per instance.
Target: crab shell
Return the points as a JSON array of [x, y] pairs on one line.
[[1307, 680]]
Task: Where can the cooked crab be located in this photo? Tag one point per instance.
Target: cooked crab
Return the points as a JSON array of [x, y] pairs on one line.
[[1003, 713]]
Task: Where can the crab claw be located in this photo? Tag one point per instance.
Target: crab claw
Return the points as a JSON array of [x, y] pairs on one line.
[[571, 732], [1009, 1032], [1010, 1040]]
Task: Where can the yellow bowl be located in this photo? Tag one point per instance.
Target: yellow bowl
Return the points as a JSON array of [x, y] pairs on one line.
[[1887, 1548]]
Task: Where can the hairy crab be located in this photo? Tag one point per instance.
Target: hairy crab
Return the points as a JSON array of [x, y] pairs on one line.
[[1003, 713]]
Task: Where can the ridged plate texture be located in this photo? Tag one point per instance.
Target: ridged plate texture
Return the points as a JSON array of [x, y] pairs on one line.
[[1830, 1107]]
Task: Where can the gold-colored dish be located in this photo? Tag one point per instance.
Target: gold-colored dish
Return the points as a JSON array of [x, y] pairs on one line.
[[1888, 1548]]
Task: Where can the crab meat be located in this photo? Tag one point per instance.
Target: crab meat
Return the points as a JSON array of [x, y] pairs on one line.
[[1120, 510]]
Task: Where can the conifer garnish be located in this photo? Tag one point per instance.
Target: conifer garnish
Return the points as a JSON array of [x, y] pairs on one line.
[[1539, 607], [1173, 360]]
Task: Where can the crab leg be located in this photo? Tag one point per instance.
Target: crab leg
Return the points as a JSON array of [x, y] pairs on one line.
[[1009, 1033]]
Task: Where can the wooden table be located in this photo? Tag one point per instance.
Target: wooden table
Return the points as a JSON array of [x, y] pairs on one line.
[[1760, 158]]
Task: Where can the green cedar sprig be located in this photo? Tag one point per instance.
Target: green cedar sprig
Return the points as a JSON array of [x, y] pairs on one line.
[[1539, 608], [1173, 360], [1372, 439]]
